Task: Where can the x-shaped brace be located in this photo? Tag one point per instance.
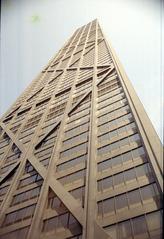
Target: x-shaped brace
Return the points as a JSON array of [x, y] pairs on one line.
[[69, 201]]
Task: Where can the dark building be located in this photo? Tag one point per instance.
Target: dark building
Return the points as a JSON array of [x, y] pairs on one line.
[[79, 157]]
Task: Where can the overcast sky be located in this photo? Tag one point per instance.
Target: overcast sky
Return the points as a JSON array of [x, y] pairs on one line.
[[32, 31]]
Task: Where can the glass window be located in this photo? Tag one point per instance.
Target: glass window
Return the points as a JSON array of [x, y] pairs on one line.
[[130, 176], [144, 172], [121, 202], [63, 220], [119, 179], [10, 218], [107, 183], [124, 142], [20, 233], [50, 224], [108, 206], [134, 198], [154, 222], [138, 152], [112, 231], [103, 137], [113, 134], [125, 230], [105, 165], [127, 157], [73, 224], [114, 146], [117, 161], [79, 193], [149, 194], [139, 226]]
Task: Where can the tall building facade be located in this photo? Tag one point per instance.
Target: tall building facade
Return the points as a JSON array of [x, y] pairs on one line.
[[79, 157]]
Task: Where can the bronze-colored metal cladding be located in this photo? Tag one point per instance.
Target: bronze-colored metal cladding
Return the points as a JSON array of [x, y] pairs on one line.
[[79, 157]]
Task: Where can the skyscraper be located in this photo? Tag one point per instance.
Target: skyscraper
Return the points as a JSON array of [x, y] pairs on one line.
[[79, 157]]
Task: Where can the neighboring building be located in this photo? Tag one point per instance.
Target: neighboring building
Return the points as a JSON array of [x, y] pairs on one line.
[[79, 157]]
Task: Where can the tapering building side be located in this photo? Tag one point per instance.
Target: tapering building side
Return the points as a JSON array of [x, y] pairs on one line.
[[79, 157]]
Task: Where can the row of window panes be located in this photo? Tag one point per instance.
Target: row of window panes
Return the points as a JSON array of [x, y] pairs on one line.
[[83, 85], [29, 180], [38, 110], [110, 101], [55, 114], [75, 131], [3, 146], [66, 221], [79, 115], [109, 95], [71, 163], [113, 106], [75, 140], [107, 90], [18, 120], [82, 90], [129, 200], [31, 125], [84, 74], [116, 145], [34, 95], [55, 203], [19, 233], [57, 107], [5, 168], [117, 132], [108, 126], [73, 177], [3, 190], [60, 102], [104, 59], [45, 161], [27, 132], [88, 59], [26, 136], [79, 193], [11, 156], [4, 142], [147, 226], [77, 98], [76, 56], [19, 215], [15, 128], [74, 150], [66, 85], [29, 168], [132, 175], [107, 84], [45, 151], [77, 123], [60, 98], [49, 140], [113, 115], [81, 108], [27, 195], [69, 76], [86, 100], [122, 159]]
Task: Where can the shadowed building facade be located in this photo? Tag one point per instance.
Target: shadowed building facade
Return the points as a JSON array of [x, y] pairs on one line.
[[79, 157]]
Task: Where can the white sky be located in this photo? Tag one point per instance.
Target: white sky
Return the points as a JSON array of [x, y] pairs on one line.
[[32, 31]]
